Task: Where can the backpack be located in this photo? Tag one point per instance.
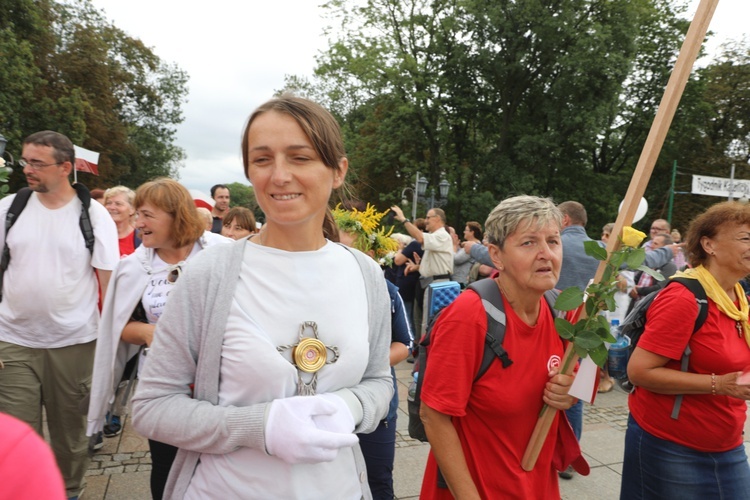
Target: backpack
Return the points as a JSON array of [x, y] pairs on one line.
[[492, 300], [17, 206], [635, 323]]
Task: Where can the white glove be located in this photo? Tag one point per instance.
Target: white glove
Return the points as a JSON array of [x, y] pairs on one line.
[[341, 420], [309, 429]]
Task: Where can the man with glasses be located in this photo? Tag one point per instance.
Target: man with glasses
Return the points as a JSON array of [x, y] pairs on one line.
[[48, 313], [437, 262], [659, 226]]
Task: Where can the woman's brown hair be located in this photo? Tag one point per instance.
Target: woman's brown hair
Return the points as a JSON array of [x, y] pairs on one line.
[[241, 216], [172, 197], [709, 223], [316, 122]]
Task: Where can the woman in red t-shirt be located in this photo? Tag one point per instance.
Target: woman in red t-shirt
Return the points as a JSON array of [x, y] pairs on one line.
[[118, 201], [478, 429], [700, 453]]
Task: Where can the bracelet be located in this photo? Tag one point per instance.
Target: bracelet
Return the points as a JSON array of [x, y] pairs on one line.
[[713, 384], [405, 221]]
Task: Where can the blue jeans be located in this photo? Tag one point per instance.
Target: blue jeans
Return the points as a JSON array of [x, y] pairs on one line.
[[379, 450], [575, 417], [654, 468]]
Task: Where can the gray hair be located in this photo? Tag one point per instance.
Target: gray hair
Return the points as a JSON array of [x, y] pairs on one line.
[[665, 237], [129, 194], [512, 213]]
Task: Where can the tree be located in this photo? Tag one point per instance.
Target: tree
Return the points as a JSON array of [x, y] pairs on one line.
[[719, 135], [74, 72], [244, 196], [500, 97]]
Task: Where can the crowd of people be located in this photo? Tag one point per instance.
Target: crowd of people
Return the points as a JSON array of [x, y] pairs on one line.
[[259, 359]]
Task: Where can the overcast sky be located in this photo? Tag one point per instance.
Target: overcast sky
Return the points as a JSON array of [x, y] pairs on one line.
[[237, 53]]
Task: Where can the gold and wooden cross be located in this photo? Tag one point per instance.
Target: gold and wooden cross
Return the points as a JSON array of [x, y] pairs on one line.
[[309, 355]]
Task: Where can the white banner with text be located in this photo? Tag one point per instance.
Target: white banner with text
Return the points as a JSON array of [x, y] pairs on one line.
[[719, 186]]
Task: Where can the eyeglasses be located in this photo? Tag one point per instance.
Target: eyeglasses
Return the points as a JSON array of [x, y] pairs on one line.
[[36, 165], [174, 274]]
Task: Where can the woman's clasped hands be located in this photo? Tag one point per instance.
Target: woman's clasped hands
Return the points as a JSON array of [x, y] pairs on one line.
[[309, 429]]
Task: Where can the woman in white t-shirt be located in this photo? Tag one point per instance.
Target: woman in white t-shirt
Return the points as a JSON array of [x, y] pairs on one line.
[[172, 233], [285, 336]]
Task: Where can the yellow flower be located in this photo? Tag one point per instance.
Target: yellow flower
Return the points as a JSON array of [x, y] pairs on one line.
[[632, 237], [364, 226]]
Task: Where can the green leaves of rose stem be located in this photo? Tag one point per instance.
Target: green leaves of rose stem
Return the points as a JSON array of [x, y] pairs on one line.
[[589, 334]]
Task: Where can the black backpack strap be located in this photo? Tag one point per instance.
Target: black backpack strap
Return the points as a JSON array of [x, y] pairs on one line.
[[85, 221], [16, 207], [702, 300], [700, 297]]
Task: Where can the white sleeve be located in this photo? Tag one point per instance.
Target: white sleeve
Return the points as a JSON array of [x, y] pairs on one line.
[[106, 244], [4, 207]]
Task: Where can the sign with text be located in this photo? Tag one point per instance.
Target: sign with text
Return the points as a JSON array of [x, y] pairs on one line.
[[719, 186]]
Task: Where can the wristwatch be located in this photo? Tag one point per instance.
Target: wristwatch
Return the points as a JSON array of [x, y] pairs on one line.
[[406, 220]]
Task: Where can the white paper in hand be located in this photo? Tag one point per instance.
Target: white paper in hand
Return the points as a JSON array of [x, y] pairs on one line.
[[584, 385]]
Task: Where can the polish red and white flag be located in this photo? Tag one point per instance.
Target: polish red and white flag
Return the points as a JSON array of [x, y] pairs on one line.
[[87, 160]]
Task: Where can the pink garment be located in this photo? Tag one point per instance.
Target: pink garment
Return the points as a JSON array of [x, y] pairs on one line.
[[679, 260], [27, 465]]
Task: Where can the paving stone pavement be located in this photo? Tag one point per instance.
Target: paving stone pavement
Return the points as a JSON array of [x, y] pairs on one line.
[[121, 469]]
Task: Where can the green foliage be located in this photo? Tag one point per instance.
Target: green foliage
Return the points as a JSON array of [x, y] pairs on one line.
[[636, 258], [532, 97], [589, 334], [66, 68], [503, 98], [4, 172], [242, 195], [569, 299], [651, 272], [595, 250], [718, 137]]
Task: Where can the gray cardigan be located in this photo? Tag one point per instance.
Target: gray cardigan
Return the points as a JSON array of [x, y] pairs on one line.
[[187, 349]]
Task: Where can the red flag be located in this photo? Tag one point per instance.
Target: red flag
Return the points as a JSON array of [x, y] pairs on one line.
[[86, 160]]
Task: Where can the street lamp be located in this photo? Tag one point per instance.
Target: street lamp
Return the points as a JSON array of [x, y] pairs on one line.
[[420, 191], [421, 185], [443, 188]]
